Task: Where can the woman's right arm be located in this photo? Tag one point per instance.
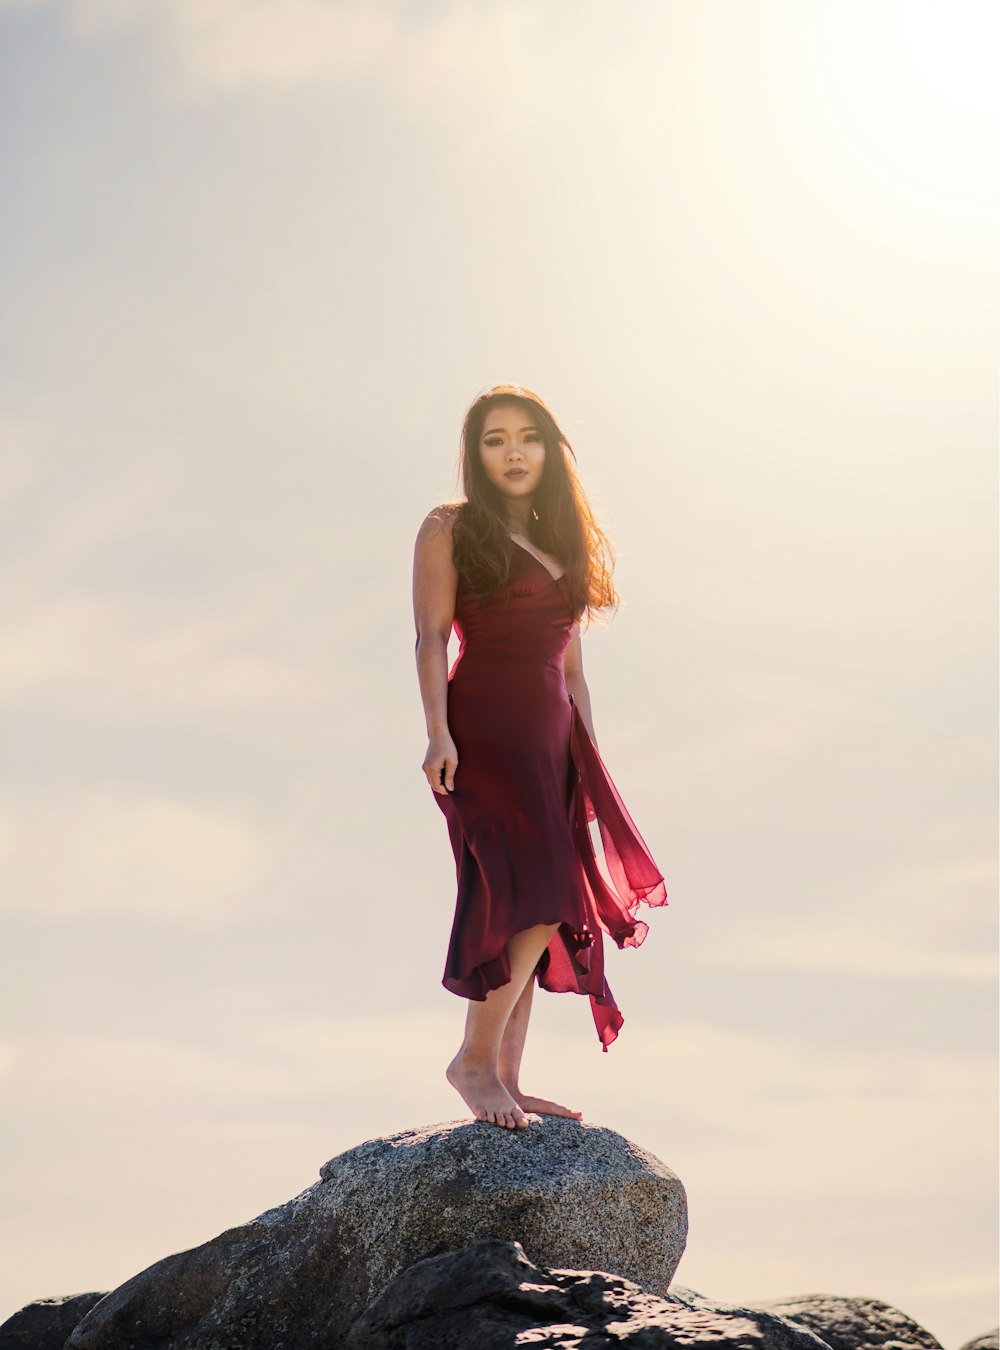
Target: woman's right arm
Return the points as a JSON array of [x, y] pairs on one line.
[[435, 583]]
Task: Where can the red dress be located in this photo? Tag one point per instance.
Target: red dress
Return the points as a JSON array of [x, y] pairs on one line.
[[517, 817]]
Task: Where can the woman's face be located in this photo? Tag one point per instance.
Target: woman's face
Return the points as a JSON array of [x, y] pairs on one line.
[[512, 450]]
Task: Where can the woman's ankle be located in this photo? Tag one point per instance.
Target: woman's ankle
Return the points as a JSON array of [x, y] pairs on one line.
[[476, 1059], [508, 1077]]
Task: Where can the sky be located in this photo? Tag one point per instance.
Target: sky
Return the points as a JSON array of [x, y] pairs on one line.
[[257, 260]]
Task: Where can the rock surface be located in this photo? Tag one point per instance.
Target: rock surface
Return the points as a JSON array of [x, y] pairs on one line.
[[491, 1297], [574, 1195], [45, 1324], [989, 1340], [459, 1236], [853, 1323]]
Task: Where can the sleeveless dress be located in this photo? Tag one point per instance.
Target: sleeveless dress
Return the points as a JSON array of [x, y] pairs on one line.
[[528, 776]]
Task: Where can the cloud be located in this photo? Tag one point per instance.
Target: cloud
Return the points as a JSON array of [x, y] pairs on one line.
[[226, 44], [861, 951], [120, 655], [428, 56], [845, 1109], [921, 918], [141, 855], [221, 46]]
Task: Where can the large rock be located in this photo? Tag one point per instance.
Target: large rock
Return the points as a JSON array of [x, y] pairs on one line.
[[989, 1340], [574, 1195], [491, 1297], [853, 1323], [45, 1323]]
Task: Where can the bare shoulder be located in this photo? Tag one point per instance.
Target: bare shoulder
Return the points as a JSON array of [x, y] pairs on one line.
[[441, 517], [435, 577], [437, 526]]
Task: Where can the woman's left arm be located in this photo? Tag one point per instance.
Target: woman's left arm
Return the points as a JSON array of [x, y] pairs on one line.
[[576, 681]]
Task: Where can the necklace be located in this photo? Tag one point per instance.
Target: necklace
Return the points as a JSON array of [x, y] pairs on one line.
[[515, 527]]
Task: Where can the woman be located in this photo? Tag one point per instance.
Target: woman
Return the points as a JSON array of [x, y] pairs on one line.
[[512, 754]]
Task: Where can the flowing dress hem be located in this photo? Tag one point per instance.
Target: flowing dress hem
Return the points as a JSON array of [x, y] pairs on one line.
[[611, 895]]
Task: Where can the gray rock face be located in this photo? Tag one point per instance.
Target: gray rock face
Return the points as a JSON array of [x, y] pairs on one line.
[[341, 1267], [491, 1297], [569, 1192], [574, 1195], [989, 1340], [45, 1324], [854, 1323]]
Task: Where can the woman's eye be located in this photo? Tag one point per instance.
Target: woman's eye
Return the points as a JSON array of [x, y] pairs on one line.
[[531, 436]]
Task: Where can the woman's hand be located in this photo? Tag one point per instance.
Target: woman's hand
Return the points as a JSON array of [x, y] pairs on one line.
[[442, 756]]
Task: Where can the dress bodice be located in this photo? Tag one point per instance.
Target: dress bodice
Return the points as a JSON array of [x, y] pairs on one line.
[[531, 618]]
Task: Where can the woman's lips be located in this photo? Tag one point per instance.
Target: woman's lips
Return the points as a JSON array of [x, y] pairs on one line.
[[516, 473]]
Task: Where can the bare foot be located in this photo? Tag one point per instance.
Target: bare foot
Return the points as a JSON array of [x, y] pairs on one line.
[[541, 1105], [484, 1094]]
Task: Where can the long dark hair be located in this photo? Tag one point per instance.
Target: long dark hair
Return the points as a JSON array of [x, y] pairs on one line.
[[562, 522]]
